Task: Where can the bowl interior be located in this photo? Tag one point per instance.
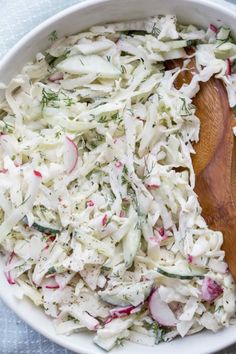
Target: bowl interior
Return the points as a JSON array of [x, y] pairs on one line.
[[73, 20]]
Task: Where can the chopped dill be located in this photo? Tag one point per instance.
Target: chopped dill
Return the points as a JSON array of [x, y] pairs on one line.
[[48, 96], [53, 36]]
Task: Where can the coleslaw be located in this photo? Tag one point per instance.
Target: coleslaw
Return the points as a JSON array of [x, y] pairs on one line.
[[99, 222]]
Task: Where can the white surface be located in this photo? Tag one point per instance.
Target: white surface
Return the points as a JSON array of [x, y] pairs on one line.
[[73, 20]]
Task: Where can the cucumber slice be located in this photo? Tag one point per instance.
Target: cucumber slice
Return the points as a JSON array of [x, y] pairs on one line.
[[45, 229], [182, 271], [225, 50], [131, 244], [180, 44], [126, 294], [223, 33], [42, 228]]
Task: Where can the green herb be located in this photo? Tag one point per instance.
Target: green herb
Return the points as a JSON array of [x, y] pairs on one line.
[[81, 61], [125, 169], [69, 101], [155, 30], [158, 331], [25, 200], [186, 109], [71, 318], [51, 270], [108, 220], [123, 69], [120, 341], [148, 171], [49, 97], [219, 308], [151, 326], [58, 134], [103, 119], [53, 36], [8, 127], [53, 61]]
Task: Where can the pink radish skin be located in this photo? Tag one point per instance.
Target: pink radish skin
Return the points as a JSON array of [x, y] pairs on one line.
[[213, 28], [229, 67], [211, 290], [90, 203], [8, 274], [56, 77], [37, 174], [122, 214], [121, 311], [189, 258], [153, 186], [70, 155], [52, 284], [160, 311], [118, 164], [104, 220]]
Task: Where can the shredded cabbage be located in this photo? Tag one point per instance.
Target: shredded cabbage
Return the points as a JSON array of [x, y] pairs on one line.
[[97, 202]]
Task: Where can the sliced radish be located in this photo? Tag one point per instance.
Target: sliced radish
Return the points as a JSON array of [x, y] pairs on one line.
[[161, 231], [121, 311], [104, 220], [90, 203], [56, 77], [10, 280], [211, 290], [160, 311], [52, 284], [122, 214], [189, 258], [213, 28], [70, 155], [37, 174], [229, 67], [153, 186], [109, 319], [118, 164]]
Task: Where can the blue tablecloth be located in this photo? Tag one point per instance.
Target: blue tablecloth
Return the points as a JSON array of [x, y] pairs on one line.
[[17, 17]]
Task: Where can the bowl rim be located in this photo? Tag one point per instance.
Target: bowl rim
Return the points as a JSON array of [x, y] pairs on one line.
[[220, 5]]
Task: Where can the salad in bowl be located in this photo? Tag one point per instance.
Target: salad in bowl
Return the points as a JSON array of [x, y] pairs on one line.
[[99, 222]]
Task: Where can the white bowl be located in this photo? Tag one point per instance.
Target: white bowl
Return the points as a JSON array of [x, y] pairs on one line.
[[73, 20]]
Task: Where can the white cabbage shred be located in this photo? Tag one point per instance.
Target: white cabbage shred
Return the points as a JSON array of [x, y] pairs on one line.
[[96, 183]]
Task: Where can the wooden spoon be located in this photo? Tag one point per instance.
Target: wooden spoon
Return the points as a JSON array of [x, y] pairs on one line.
[[215, 160]]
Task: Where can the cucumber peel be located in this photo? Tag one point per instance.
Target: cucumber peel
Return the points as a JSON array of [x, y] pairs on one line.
[[182, 271]]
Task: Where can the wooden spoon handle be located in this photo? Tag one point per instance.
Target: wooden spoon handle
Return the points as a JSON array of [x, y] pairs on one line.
[[215, 160]]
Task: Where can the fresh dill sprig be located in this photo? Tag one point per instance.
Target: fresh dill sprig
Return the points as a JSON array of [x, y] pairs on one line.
[[53, 36], [48, 96]]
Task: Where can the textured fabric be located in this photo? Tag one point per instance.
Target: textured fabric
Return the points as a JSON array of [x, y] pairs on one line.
[[18, 17]]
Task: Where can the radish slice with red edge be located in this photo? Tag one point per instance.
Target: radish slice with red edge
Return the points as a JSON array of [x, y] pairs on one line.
[[10, 280], [52, 284], [160, 311], [229, 67], [37, 174], [56, 76], [213, 28], [121, 311], [70, 155]]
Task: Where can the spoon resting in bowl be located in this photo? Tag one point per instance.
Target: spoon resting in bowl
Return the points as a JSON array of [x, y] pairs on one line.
[[215, 159]]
